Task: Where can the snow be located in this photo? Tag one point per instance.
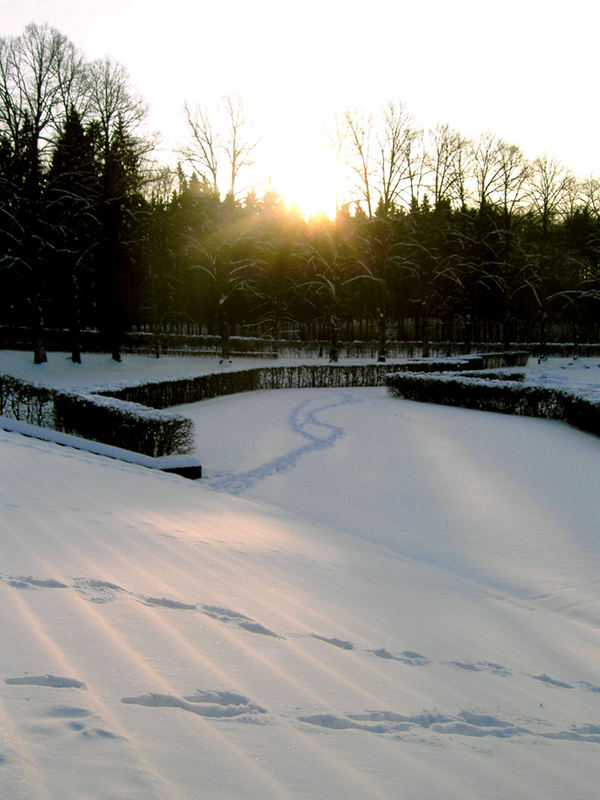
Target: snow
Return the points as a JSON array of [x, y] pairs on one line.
[[169, 463], [365, 597], [579, 375]]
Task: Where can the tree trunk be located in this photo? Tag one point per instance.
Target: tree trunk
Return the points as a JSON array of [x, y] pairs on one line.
[[381, 327], [334, 347], [506, 334], [37, 332], [424, 324], [75, 326], [224, 334], [468, 333]]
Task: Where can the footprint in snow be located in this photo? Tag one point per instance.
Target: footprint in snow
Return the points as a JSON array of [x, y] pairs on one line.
[[552, 682], [29, 582], [213, 704], [53, 681], [589, 687], [406, 657], [341, 643], [465, 723], [97, 591], [81, 721], [302, 421], [481, 666], [241, 620], [165, 602]]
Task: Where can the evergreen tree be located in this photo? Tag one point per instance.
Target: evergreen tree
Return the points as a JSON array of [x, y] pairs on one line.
[[73, 213]]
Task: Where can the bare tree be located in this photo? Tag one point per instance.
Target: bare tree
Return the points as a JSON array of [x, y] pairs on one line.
[[394, 142], [202, 152], [416, 166], [549, 187], [239, 143], [513, 175], [40, 74], [590, 194], [487, 168], [446, 165], [113, 105], [359, 128], [337, 141], [224, 133]]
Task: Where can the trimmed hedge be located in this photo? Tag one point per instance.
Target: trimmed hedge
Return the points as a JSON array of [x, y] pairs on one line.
[[103, 419], [502, 395], [132, 417], [130, 426], [164, 394], [167, 393], [26, 402]]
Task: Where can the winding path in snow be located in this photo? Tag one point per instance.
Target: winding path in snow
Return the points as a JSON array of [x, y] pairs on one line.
[[300, 420]]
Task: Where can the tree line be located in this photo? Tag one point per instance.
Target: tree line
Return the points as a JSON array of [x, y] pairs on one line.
[[436, 236]]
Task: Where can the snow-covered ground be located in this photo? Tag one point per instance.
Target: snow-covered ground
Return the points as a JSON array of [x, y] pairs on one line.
[[364, 598]]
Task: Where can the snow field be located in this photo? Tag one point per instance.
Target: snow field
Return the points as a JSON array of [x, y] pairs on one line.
[[364, 598]]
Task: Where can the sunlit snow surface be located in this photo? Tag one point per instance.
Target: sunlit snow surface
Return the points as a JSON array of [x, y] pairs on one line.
[[364, 598]]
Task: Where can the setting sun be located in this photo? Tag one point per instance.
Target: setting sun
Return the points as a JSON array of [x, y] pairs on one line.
[[301, 168], [308, 187]]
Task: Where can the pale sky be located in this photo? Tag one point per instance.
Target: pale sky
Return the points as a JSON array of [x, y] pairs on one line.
[[525, 70]]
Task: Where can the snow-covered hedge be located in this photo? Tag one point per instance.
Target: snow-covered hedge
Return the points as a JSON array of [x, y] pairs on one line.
[[26, 402], [505, 395], [103, 419], [132, 417], [130, 426], [166, 393]]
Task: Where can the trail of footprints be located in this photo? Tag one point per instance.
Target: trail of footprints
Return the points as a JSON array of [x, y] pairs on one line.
[[228, 705]]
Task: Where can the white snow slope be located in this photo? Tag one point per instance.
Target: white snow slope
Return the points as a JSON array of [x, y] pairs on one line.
[[364, 598]]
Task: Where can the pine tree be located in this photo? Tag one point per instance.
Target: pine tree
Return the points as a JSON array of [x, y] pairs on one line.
[[73, 203]]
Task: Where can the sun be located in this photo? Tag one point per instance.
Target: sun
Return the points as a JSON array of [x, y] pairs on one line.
[[306, 178], [312, 192]]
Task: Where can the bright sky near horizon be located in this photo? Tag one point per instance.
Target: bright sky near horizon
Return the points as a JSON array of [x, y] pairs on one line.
[[525, 70]]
